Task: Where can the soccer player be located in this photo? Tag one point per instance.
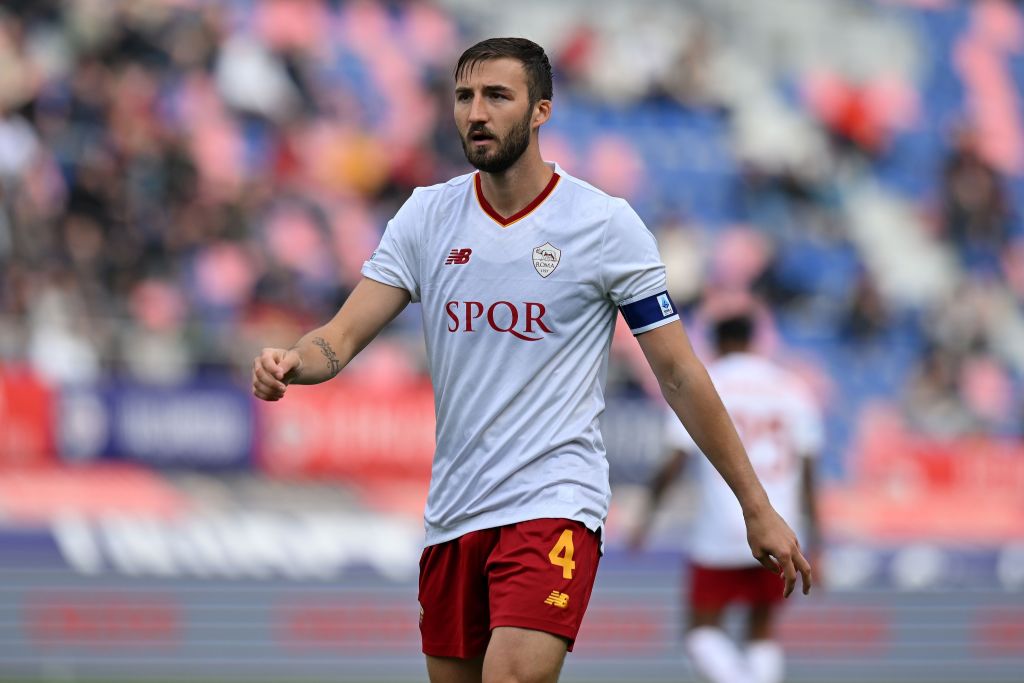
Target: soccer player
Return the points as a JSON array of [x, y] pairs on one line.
[[519, 269], [779, 424]]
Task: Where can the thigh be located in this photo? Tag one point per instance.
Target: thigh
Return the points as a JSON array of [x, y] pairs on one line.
[[454, 599], [541, 576], [523, 655], [761, 623], [455, 670], [704, 616]]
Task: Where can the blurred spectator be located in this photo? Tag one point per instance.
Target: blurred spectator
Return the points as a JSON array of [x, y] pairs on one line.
[[962, 322], [975, 208], [63, 347], [865, 317], [933, 403], [861, 116], [988, 393]]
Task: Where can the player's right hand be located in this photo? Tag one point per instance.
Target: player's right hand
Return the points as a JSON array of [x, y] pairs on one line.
[[272, 371]]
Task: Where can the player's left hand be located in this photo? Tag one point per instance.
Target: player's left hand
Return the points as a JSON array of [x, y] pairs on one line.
[[776, 547]]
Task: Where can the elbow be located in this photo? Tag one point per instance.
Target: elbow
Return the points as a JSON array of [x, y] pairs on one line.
[[675, 381]]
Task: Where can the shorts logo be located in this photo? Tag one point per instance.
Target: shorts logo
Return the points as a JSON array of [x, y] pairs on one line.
[[666, 305], [545, 258], [557, 599], [458, 257]]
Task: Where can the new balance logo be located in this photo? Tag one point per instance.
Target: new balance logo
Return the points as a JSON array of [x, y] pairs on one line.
[[458, 257], [557, 599]]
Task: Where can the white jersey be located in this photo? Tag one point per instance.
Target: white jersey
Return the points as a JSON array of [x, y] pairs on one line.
[[779, 424], [518, 316]]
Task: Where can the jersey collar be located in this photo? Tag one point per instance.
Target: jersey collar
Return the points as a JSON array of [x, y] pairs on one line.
[[526, 211]]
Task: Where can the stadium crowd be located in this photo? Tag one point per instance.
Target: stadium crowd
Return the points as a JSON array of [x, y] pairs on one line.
[[182, 180]]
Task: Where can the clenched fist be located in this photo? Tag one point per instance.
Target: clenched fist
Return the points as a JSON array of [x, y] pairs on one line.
[[272, 371]]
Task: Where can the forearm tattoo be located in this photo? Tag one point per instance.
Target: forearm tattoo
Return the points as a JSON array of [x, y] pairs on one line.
[[332, 358]]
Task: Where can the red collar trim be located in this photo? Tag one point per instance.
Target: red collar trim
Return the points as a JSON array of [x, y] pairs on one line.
[[527, 210]]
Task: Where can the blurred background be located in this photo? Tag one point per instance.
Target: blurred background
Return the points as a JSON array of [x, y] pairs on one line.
[[185, 182]]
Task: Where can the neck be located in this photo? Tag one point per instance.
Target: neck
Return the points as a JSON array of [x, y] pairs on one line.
[[509, 192]]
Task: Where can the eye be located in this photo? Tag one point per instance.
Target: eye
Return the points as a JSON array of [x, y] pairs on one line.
[[462, 96]]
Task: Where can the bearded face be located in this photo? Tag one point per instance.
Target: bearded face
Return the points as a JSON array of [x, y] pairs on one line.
[[493, 153], [494, 113]]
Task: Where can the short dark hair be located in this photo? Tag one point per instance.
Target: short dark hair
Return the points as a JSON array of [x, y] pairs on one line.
[[530, 54], [734, 330]]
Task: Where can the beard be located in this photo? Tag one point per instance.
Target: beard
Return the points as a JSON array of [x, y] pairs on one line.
[[509, 148]]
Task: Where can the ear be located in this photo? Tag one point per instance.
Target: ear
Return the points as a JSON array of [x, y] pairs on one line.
[[541, 113]]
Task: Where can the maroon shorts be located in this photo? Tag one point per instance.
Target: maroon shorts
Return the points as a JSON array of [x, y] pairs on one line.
[[536, 574], [712, 588]]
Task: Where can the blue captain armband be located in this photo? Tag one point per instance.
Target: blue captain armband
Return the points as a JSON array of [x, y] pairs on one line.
[[650, 312]]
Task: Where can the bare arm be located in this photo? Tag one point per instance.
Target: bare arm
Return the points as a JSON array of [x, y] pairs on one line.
[[688, 389], [659, 484], [809, 494], [323, 352]]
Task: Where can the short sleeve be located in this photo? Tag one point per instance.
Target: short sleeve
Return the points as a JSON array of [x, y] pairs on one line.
[[395, 261], [632, 272]]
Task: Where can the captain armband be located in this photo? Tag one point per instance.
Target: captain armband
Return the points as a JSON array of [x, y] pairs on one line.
[[649, 312]]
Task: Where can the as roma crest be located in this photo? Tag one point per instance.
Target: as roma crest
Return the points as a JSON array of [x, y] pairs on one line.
[[545, 258]]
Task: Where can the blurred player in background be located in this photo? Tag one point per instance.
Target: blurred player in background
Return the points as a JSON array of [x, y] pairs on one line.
[[779, 424], [520, 268]]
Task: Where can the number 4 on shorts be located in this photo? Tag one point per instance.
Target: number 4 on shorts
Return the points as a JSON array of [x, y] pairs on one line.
[[561, 554]]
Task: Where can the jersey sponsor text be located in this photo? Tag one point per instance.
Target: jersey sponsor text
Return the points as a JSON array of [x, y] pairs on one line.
[[501, 316]]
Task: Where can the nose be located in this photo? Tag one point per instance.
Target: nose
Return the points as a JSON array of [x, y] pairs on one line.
[[477, 110]]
